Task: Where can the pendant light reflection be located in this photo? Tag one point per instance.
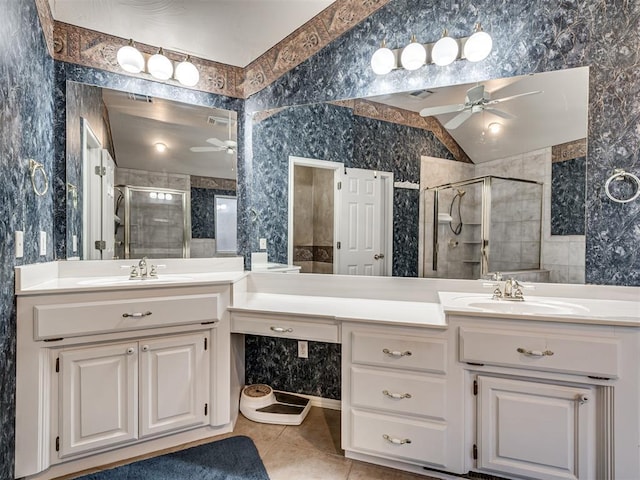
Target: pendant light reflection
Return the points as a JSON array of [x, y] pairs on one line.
[[383, 60], [445, 50], [413, 55], [478, 46], [130, 58]]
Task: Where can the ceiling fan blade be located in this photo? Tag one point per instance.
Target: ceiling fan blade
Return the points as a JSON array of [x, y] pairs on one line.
[[230, 143], [500, 113], [215, 141], [458, 120], [506, 99], [475, 94], [205, 149], [433, 111]]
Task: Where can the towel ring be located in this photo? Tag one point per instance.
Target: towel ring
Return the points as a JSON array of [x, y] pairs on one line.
[[619, 174], [35, 167]]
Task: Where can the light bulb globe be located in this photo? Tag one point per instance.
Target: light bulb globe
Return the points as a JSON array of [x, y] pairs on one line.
[[130, 59], [160, 67], [187, 74], [413, 56], [445, 51], [478, 46], [383, 61]]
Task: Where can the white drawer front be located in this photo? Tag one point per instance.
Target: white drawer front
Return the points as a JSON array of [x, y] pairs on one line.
[[426, 354], [401, 438], [412, 394], [87, 318], [563, 353], [278, 326]]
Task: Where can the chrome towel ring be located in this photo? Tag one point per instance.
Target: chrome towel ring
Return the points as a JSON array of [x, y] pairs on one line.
[[621, 174], [34, 168]]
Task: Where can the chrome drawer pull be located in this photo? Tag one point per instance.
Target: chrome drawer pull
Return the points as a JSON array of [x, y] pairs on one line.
[[535, 353], [399, 396], [396, 353], [396, 441], [282, 330], [136, 315]]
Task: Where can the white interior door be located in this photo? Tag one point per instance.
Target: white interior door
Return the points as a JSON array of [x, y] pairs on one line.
[[362, 224], [91, 193], [108, 206]]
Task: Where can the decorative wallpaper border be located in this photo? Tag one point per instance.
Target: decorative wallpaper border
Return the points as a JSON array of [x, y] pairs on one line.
[[569, 150], [213, 183], [73, 44]]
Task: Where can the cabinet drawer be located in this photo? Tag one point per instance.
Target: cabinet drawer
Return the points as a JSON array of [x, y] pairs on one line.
[[412, 394], [88, 318], [579, 355], [397, 437], [426, 354], [284, 327]]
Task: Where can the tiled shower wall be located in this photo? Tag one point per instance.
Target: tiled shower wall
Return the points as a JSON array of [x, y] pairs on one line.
[[26, 131]]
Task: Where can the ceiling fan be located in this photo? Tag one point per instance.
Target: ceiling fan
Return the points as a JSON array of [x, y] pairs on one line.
[[476, 100], [228, 146]]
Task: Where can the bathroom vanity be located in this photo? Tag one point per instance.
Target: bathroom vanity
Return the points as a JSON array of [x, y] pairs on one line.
[[436, 376]]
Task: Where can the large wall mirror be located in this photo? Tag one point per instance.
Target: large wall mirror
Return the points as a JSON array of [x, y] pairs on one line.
[[505, 159], [147, 176]]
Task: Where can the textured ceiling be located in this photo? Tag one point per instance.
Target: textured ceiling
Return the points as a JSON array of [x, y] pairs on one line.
[[233, 32]]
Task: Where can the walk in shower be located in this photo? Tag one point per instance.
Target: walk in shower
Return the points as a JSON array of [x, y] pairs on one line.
[[152, 222], [482, 225]]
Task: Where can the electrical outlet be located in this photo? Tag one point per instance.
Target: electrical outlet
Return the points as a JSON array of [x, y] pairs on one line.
[[263, 244], [303, 349], [43, 243], [19, 244]]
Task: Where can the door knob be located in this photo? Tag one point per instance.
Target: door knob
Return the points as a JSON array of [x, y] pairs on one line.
[[378, 256]]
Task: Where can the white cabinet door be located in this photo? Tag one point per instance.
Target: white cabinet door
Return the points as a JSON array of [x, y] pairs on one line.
[[535, 430], [98, 397], [174, 385]]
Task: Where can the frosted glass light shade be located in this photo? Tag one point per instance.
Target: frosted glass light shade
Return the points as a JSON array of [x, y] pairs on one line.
[[413, 56], [187, 73], [160, 66], [383, 61], [130, 59], [445, 51], [478, 46]]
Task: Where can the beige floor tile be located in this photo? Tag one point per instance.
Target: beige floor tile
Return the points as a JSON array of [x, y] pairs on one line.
[[366, 471], [319, 431], [263, 434], [287, 462]]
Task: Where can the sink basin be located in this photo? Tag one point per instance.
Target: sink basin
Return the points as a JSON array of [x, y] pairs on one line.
[[124, 280], [527, 307]]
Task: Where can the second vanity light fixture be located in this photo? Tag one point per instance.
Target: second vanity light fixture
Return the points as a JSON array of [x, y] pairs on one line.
[[443, 52], [158, 66]]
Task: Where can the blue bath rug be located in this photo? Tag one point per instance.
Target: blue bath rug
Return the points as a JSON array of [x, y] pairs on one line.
[[234, 458]]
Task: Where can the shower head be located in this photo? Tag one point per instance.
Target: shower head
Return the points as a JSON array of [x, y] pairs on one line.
[[461, 193]]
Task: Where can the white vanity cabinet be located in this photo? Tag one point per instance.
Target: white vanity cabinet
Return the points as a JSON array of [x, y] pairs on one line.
[[108, 375], [395, 402]]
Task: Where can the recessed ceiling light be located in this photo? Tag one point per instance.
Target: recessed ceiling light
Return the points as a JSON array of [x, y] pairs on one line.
[[160, 147]]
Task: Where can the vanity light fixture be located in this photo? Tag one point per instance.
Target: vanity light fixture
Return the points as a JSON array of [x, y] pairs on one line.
[[160, 147], [478, 46], [413, 55], [160, 66], [443, 52], [383, 60], [187, 73], [130, 58]]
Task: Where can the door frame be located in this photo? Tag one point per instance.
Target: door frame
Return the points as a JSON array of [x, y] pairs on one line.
[[314, 163], [89, 142]]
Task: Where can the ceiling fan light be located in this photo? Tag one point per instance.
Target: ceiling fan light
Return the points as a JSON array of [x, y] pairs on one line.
[[187, 73], [160, 147], [383, 60], [478, 45], [494, 128], [413, 55], [159, 66], [130, 58], [445, 51]]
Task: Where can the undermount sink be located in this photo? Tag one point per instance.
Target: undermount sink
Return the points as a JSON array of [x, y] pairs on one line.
[[525, 307], [124, 280]]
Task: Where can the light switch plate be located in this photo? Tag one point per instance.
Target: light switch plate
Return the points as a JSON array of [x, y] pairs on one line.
[[74, 242], [303, 349], [263, 244], [43, 243], [19, 244]]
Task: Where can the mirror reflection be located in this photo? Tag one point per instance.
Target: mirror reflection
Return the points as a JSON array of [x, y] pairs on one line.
[[149, 176], [518, 128]]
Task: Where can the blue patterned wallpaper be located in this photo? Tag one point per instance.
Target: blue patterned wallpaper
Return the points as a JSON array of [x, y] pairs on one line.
[[26, 120], [529, 37], [333, 133], [568, 180]]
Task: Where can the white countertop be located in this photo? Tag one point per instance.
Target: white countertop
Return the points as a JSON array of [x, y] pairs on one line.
[[394, 312]]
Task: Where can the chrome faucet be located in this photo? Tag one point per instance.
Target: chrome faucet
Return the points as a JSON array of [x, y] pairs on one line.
[[142, 267], [142, 271], [512, 289]]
